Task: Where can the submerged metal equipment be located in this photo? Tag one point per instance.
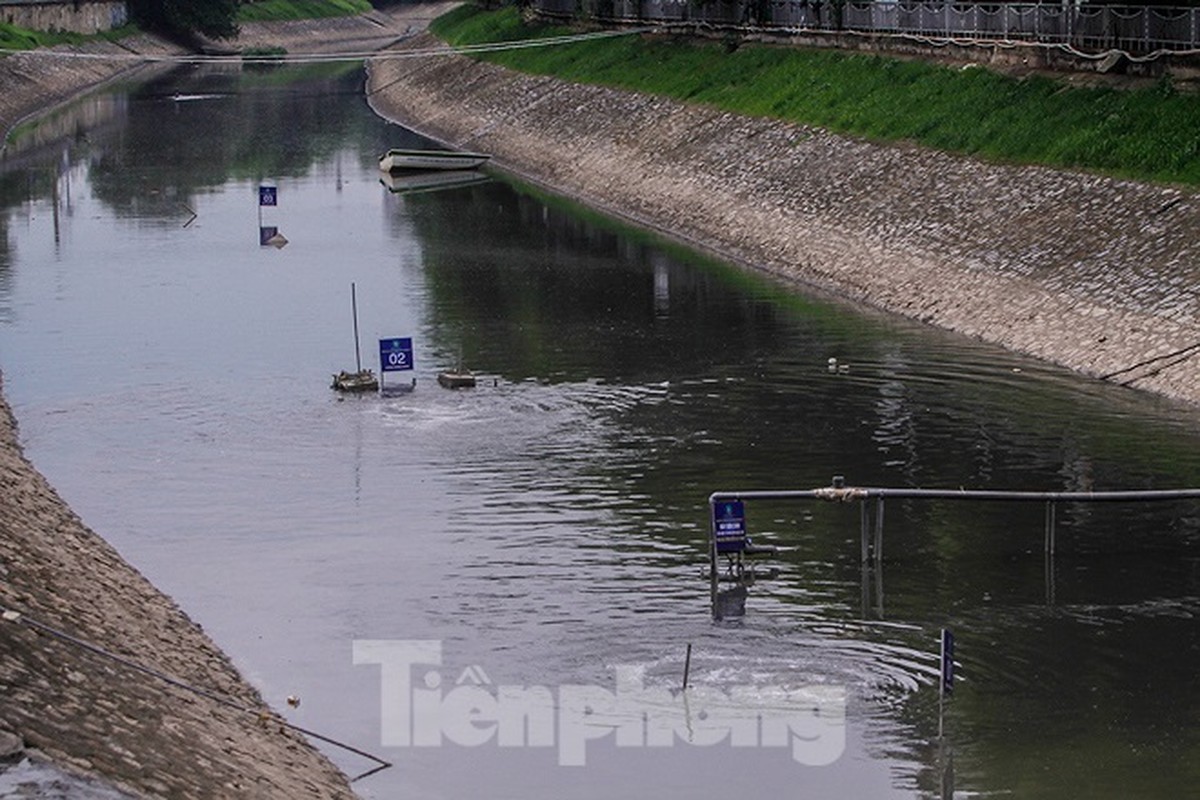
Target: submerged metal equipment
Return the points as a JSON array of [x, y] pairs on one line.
[[729, 536]]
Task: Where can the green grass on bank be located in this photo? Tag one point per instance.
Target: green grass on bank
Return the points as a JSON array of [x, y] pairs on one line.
[[275, 10], [14, 38], [1146, 134]]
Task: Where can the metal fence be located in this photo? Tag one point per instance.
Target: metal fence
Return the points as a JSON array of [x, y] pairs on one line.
[[1134, 29]]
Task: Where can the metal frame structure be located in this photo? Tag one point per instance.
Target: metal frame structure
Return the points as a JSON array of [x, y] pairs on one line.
[[872, 551]]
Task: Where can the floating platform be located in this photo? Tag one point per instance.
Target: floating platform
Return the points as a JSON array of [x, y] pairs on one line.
[[361, 381], [456, 379]]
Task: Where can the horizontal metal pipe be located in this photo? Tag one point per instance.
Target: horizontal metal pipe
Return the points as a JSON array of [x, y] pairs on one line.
[[848, 493]]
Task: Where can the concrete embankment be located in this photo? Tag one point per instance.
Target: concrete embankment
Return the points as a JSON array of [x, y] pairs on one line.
[[92, 713], [89, 711], [1091, 273], [35, 81]]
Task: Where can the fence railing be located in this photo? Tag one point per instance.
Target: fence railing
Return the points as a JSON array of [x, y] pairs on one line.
[[1138, 30]]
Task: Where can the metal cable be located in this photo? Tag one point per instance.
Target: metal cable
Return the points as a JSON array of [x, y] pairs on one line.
[[18, 617], [315, 58]]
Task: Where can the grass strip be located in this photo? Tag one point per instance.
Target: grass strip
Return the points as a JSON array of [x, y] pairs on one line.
[[1150, 134], [14, 38], [277, 10]]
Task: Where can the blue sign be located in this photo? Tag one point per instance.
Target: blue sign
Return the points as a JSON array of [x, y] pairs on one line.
[[395, 354], [729, 526], [268, 195], [947, 661]]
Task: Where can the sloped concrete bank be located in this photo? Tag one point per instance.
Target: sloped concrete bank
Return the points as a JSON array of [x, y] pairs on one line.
[[1087, 272], [34, 82], [93, 714], [90, 713]]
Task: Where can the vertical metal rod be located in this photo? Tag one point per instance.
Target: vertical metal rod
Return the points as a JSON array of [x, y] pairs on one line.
[[1053, 528], [1046, 529], [941, 712], [1050, 580], [879, 589], [687, 665], [866, 589], [354, 309], [862, 505], [1050, 525], [878, 530], [712, 555]]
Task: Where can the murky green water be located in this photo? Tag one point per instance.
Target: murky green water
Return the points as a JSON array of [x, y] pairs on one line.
[[170, 375]]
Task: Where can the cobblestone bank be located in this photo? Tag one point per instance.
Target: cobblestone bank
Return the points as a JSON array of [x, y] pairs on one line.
[[1091, 273]]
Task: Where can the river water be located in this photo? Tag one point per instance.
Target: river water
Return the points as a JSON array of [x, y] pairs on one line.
[[543, 536]]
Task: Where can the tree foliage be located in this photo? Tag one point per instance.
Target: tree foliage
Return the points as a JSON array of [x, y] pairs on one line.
[[215, 18]]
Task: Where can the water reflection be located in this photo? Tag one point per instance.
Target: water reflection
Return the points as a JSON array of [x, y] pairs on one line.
[[552, 524], [417, 182]]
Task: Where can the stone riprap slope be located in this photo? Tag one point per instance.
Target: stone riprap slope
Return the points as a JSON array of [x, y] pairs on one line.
[[83, 711], [98, 716], [35, 81], [362, 34], [32, 82], [1092, 273]]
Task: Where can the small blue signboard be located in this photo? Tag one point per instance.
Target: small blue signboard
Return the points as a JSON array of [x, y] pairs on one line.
[[268, 195], [947, 661], [395, 354], [729, 526]]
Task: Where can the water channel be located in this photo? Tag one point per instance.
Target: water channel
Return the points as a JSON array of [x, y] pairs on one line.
[[548, 528]]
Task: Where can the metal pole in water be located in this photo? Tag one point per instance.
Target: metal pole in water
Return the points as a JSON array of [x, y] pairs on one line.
[[687, 665], [1050, 524], [946, 676], [712, 554], [879, 530], [354, 309], [863, 522]]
